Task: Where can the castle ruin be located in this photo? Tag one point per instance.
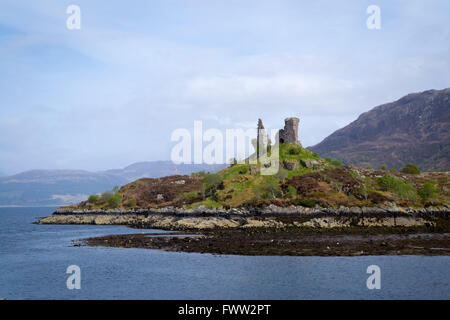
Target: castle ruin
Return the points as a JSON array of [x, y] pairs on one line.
[[289, 134]]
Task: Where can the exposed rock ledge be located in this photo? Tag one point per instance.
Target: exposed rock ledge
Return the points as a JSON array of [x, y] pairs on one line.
[[270, 217]]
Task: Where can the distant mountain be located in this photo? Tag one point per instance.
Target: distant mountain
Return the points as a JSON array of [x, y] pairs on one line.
[[157, 169], [60, 187], [414, 129]]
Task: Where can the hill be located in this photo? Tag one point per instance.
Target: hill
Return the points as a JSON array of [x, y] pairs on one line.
[[414, 129], [62, 187], [304, 179]]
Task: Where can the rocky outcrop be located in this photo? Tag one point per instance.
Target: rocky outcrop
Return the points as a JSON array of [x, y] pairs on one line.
[[271, 216]]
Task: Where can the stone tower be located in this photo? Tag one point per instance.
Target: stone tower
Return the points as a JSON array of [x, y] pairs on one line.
[[262, 140], [290, 132]]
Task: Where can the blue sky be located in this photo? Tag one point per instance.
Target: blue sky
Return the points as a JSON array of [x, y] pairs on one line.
[[111, 93]]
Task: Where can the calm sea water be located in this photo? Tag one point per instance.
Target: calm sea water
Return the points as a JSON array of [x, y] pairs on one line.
[[34, 258]]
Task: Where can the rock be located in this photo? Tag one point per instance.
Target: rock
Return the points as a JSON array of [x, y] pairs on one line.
[[290, 165], [310, 163], [160, 196], [180, 182]]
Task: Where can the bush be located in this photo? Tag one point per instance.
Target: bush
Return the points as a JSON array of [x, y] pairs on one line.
[[210, 184], [310, 203], [294, 151], [427, 192], [268, 190], [291, 192], [106, 195], [115, 201], [281, 174], [392, 170], [93, 199], [244, 170], [397, 186], [336, 162], [410, 168], [131, 202], [383, 167]]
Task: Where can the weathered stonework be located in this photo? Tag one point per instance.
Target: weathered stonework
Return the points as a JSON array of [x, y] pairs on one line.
[[290, 132], [262, 140]]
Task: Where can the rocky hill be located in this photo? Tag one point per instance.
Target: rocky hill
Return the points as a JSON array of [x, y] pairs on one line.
[[414, 129]]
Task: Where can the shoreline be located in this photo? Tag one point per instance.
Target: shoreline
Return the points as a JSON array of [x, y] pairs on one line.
[[269, 242], [285, 232]]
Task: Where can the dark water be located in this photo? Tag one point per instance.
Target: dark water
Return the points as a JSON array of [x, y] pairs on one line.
[[34, 258]]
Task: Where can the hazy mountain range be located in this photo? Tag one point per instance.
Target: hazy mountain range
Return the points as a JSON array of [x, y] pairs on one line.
[[58, 187], [414, 129]]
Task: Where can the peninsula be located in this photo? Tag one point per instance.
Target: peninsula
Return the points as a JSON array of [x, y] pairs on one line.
[[309, 206]]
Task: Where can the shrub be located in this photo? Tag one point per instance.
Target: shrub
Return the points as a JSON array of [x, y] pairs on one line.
[[383, 167], [427, 192], [268, 190], [114, 201], [244, 170], [392, 170], [210, 184], [410, 168], [291, 192], [310, 203], [294, 151], [281, 174], [106, 195], [397, 186], [336, 162], [131, 202], [93, 198]]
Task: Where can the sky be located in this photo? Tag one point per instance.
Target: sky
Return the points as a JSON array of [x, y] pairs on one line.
[[112, 92]]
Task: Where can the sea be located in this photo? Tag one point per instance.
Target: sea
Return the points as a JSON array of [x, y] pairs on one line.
[[36, 262]]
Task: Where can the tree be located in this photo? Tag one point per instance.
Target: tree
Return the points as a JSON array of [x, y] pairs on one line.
[[427, 192], [410, 168], [211, 182], [115, 201], [93, 198]]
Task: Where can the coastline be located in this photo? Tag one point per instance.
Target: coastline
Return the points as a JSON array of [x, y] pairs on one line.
[[273, 231]]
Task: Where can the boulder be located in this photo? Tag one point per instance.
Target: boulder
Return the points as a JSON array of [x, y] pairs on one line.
[[290, 165], [310, 163]]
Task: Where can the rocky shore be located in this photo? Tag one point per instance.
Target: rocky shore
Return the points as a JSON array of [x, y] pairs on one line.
[[274, 230], [272, 216]]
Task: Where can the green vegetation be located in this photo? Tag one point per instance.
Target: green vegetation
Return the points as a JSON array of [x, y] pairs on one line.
[[131, 203], [398, 187], [211, 182], [268, 190], [93, 199], [427, 192], [410, 168], [303, 178], [109, 199]]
